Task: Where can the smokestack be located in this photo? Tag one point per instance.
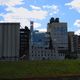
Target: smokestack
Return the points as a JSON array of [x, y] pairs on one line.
[[57, 20], [51, 20], [31, 26]]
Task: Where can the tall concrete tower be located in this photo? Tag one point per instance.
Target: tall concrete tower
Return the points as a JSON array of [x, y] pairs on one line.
[[31, 31], [31, 26], [9, 41]]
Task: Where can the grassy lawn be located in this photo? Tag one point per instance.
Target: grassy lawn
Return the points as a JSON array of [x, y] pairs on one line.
[[22, 69]]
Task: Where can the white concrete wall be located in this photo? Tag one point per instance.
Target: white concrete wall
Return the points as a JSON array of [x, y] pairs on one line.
[[43, 54]]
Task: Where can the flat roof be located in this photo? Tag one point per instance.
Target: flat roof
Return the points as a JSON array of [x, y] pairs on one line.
[[9, 22]]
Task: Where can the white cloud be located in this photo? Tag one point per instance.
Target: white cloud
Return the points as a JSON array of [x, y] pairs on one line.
[[77, 32], [51, 14], [23, 15], [36, 25], [52, 8], [1, 14], [74, 4], [35, 7], [38, 14], [11, 2], [35, 14], [43, 30], [77, 23]]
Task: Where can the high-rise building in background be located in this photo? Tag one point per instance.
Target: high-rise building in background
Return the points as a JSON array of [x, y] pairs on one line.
[[41, 47], [59, 35], [9, 41], [31, 26], [24, 43]]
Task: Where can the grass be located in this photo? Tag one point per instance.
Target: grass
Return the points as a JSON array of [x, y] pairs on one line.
[[22, 69]]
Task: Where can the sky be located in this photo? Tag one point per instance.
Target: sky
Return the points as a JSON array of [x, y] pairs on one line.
[[40, 11]]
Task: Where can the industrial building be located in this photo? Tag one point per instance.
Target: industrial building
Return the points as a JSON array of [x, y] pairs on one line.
[[9, 41], [24, 43]]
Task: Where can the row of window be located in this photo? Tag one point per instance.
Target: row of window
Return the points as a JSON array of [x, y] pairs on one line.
[[40, 48], [46, 55], [41, 52]]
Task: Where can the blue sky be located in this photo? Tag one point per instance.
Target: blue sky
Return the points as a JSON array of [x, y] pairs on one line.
[[40, 11]]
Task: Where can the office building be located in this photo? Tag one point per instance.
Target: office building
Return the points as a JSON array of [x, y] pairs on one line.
[[59, 35]]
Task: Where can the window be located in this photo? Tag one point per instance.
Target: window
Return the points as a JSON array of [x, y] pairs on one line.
[[45, 54], [41, 54], [32, 47], [61, 54], [38, 51], [35, 55], [41, 51], [51, 54], [46, 48]]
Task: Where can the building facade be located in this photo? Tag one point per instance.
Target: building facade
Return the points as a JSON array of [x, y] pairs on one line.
[[41, 47], [9, 41], [59, 35], [71, 39], [45, 54], [76, 39], [24, 43]]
